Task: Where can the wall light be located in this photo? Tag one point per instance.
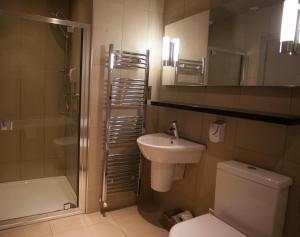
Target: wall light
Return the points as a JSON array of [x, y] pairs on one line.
[[170, 51], [289, 36], [166, 51], [176, 47]]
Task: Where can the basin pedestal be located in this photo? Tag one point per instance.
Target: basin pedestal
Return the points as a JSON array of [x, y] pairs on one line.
[[162, 176], [168, 158]]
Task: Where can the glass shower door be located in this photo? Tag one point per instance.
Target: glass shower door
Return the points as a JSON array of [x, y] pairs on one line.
[[40, 78]]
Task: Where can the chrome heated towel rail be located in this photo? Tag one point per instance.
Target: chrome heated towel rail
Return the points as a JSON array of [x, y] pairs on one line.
[[125, 121]]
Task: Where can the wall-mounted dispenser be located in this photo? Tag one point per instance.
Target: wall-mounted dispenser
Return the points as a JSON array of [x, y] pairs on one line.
[[217, 131]]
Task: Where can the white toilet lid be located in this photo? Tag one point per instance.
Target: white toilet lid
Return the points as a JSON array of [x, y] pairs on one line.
[[204, 226]]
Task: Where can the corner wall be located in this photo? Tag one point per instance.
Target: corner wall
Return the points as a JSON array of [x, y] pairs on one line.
[[132, 25], [271, 146]]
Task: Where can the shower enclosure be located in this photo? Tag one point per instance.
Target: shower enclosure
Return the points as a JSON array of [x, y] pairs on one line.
[[44, 71]]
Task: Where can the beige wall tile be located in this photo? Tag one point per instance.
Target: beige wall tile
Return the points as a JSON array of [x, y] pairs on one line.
[[54, 167], [52, 148], [152, 119], [295, 104], [107, 28], [156, 5], [292, 150], [189, 125], [32, 93], [96, 150], [97, 96], [10, 91], [139, 4], [154, 44], [166, 116], [292, 222], [275, 20], [227, 97], [55, 101], [266, 138], [183, 193], [195, 6], [54, 52], [174, 10], [10, 42], [275, 100], [33, 44], [206, 183], [191, 95], [10, 146], [266, 161], [32, 169], [292, 215], [134, 19], [9, 171], [169, 93], [32, 142]]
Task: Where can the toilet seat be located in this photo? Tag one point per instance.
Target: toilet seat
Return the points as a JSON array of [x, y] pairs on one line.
[[204, 226]]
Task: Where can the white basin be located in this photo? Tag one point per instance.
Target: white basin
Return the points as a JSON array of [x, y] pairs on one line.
[[165, 154], [163, 148]]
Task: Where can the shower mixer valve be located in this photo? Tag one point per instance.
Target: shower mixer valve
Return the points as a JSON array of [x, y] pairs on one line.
[[6, 125]]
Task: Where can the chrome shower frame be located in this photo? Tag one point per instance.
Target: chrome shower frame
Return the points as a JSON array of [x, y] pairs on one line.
[[84, 118]]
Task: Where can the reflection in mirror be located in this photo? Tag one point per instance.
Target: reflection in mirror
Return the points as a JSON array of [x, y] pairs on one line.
[[237, 43], [192, 33]]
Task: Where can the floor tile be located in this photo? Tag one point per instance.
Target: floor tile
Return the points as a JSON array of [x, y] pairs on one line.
[[105, 229], [136, 226], [15, 232], [66, 224], [124, 213], [125, 222], [94, 218], [37, 230], [79, 232]]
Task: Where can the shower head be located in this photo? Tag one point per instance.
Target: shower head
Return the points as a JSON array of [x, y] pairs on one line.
[[60, 15]]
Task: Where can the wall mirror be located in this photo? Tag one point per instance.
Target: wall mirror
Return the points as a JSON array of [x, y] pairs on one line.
[[238, 43]]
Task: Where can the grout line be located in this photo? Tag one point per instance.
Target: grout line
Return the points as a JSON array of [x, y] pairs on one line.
[[51, 228], [122, 25]]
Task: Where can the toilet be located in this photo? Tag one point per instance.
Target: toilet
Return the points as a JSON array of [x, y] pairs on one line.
[[249, 201]]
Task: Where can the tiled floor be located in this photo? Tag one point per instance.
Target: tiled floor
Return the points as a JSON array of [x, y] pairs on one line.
[[126, 222]]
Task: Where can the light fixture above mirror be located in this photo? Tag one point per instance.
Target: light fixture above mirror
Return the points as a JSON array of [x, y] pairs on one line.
[[170, 51], [289, 36]]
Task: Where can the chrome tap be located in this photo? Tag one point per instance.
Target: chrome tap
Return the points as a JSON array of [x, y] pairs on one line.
[[174, 129]]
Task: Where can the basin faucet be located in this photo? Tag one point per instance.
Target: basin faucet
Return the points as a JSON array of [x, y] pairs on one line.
[[174, 129]]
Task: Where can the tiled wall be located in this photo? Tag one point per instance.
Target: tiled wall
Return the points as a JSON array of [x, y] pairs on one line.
[[271, 146], [132, 25], [31, 93]]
